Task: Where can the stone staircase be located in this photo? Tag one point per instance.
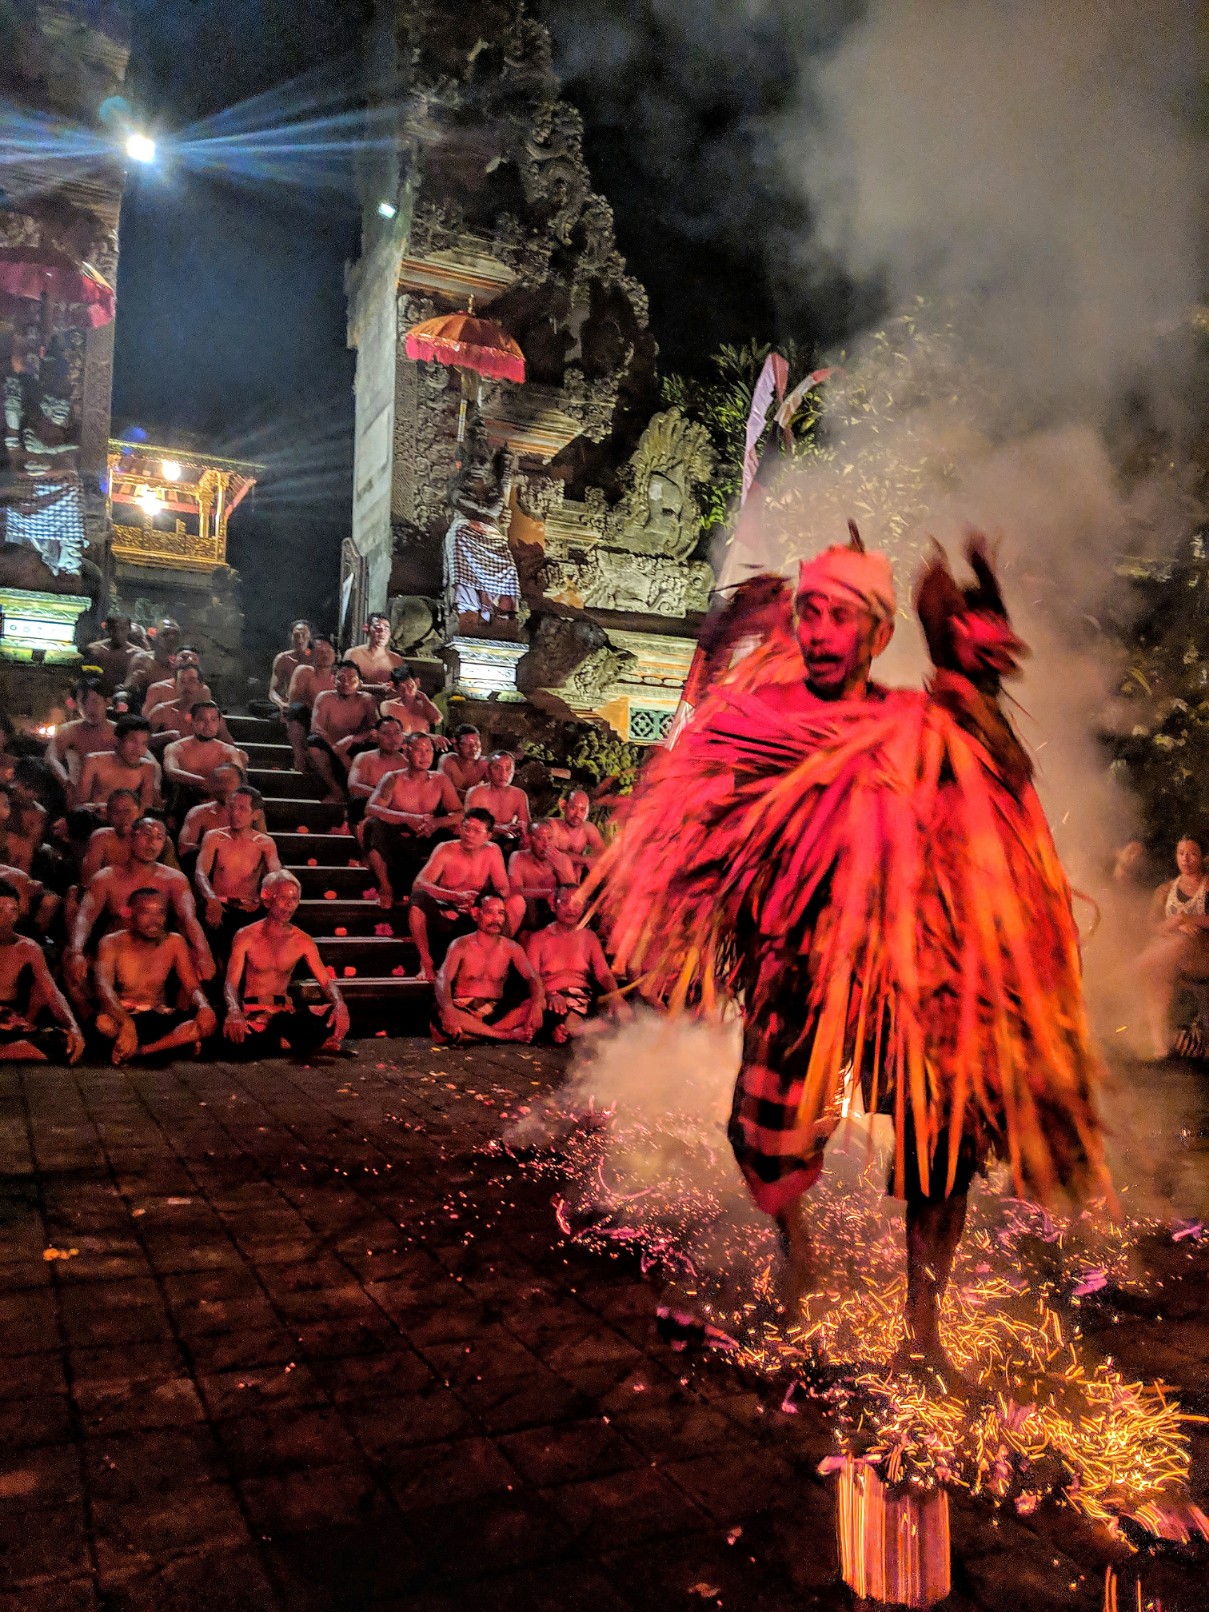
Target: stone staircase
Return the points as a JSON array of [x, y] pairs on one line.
[[370, 951]]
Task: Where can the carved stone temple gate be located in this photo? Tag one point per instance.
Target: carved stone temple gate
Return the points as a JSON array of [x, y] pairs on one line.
[[574, 491]]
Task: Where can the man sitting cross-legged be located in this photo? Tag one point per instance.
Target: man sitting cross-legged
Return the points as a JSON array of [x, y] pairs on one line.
[[507, 803], [189, 760], [570, 962], [115, 654], [464, 765], [231, 869], [166, 689], [127, 766], [407, 813], [475, 997], [261, 1014], [142, 974], [371, 766], [342, 722], [169, 718], [107, 899], [533, 877], [574, 835], [445, 888], [28, 995]]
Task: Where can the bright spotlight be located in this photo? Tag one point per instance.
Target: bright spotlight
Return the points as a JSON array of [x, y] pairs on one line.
[[171, 470], [148, 501], [387, 209], [140, 148]]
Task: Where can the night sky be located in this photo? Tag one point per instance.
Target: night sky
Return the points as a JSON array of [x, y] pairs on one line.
[[231, 321]]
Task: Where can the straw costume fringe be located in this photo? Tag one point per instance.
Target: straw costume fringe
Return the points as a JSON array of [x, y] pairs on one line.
[[876, 861]]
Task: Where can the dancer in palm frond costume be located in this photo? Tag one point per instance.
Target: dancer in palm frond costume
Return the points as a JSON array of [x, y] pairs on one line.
[[869, 872]]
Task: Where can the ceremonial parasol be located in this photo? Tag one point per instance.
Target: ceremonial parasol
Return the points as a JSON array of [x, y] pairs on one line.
[[470, 345], [31, 273]]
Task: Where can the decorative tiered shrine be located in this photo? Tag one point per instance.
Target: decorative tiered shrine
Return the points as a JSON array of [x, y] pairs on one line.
[[589, 485], [63, 64]]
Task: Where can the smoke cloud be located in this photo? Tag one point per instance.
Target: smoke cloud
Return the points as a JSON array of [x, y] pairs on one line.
[[1023, 183]]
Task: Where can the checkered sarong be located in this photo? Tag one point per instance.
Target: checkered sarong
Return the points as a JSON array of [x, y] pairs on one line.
[[480, 562]]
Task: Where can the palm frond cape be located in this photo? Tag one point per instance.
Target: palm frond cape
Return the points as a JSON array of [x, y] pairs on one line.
[[888, 863]]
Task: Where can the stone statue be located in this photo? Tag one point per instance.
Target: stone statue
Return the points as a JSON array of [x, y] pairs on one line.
[[479, 568], [570, 664], [661, 514]]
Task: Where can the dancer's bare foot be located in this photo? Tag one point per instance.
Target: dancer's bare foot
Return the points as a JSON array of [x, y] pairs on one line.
[[386, 897]]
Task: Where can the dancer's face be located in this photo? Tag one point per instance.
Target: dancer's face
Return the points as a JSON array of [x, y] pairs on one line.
[[838, 637]]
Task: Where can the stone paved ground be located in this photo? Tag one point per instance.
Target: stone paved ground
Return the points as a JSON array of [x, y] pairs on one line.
[[311, 1349]]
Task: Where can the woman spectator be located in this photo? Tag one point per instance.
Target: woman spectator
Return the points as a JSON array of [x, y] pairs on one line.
[[1179, 950]]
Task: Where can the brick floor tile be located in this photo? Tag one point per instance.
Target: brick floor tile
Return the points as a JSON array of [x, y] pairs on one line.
[[38, 1545], [36, 1419], [46, 1476], [112, 1407], [615, 1510], [383, 1374], [578, 1449], [241, 1350], [481, 1538], [425, 1418], [242, 1391], [24, 1375], [77, 1596], [464, 1469], [312, 1497], [129, 1465], [135, 1535], [206, 1581], [285, 1439]]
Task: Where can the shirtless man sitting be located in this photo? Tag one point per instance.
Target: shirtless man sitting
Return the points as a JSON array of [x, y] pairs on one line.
[[231, 868], [409, 704], [115, 654], [571, 965], [405, 815], [189, 760], [533, 877], [574, 835], [142, 973], [508, 805], [150, 665], [261, 1013], [464, 764], [342, 720], [445, 887], [28, 994], [109, 846], [167, 689], [288, 662], [307, 683], [128, 766], [222, 783], [371, 766], [107, 900], [375, 660], [171, 716], [474, 999], [90, 733]]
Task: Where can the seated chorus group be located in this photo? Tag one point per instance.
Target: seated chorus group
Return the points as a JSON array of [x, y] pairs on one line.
[[492, 895], [134, 856]]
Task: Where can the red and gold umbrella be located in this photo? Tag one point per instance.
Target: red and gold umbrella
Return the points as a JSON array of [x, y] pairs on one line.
[[466, 342], [471, 345]]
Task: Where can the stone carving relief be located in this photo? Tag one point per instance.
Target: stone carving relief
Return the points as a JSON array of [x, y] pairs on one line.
[[425, 438], [570, 659], [552, 167], [615, 579], [660, 515]]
